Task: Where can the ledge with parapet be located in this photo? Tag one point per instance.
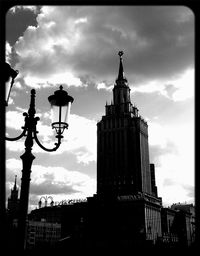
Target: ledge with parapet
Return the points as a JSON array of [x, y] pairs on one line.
[[141, 196]]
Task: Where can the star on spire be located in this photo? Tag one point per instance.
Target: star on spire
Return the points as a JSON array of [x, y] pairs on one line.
[[120, 53]]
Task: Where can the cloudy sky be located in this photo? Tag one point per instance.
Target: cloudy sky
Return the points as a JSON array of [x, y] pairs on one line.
[[77, 46]]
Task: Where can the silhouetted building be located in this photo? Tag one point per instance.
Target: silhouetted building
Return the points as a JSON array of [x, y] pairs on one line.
[[126, 212], [169, 232], [69, 214], [153, 180], [42, 234], [13, 201], [50, 214], [122, 145], [126, 208], [12, 216], [185, 223]]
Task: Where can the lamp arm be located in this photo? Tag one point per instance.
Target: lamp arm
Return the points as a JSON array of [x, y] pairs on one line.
[[46, 149], [18, 137]]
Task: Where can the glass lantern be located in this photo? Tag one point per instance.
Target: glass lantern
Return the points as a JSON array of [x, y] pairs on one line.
[[60, 109]]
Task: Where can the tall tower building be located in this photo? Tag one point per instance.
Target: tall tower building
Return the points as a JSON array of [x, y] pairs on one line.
[[13, 200], [126, 206], [123, 166]]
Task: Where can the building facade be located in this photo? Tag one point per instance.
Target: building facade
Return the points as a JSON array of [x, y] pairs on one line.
[[185, 222], [122, 145], [125, 177], [42, 234], [126, 212]]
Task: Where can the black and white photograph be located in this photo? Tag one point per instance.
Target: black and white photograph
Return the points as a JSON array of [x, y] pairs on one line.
[[99, 128]]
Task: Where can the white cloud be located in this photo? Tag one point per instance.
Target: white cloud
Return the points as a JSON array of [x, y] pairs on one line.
[[8, 52], [24, 7], [178, 168], [59, 78], [79, 139], [173, 194], [14, 120], [18, 85], [71, 42], [103, 85], [182, 86], [157, 134], [15, 146], [45, 51], [13, 164], [51, 180], [81, 20], [152, 86], [76, 39]]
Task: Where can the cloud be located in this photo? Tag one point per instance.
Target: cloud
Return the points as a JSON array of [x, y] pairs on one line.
[[157, 151], [50, 187], [13, 165], [175, 191], [78, 46], [104, 86], [178, 89], [59, 78], [79, 139], [184, 86], [54, 181], [174, 194], [190, 191], [14, 119], [21, 7], [83, 40], [168, 182], [174, 159], [8, 52]]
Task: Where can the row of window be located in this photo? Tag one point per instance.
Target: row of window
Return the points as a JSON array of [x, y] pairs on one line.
[[111, 123], [153, 223]]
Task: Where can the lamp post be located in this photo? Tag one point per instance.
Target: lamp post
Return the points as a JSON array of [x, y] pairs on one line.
[[46, 200], [7, 78], [60, 107]]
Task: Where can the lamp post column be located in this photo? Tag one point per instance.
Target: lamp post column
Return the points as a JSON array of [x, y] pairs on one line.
[[27, 159], [60, 99]]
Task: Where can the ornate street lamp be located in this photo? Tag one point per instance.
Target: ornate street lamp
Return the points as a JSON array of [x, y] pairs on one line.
[[60, 103], [60, 109]]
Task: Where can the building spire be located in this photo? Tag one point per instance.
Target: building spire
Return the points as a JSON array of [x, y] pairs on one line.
[[121, 80], [121, 69]]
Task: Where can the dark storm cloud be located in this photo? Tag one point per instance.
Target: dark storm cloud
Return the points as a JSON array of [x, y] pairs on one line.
[[157, 41], [17, 21]]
